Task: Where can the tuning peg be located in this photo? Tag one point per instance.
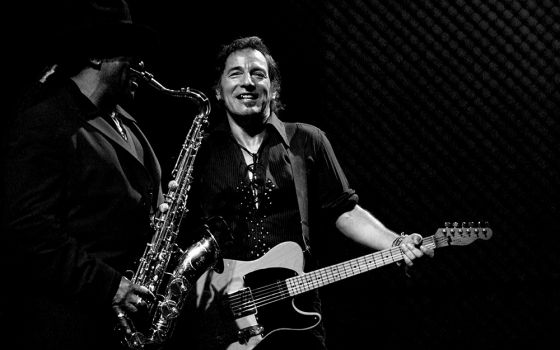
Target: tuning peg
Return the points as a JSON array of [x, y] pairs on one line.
[[447, 224]]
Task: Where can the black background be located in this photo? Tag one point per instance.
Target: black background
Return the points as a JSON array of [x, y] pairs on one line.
[[438, 111]]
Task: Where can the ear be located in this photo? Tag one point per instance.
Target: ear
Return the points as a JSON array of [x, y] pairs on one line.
[[95, 63]]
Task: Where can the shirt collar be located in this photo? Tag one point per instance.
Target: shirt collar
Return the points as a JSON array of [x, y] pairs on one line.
[[279, 125]]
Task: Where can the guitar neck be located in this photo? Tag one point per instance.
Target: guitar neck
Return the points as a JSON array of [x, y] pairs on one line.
[[327, 275]]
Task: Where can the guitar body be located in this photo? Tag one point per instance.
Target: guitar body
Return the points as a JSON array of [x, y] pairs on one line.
[[250, 301], [214, 291]]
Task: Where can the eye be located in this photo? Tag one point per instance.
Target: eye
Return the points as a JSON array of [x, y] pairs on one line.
[[260, 74], [234, 72]]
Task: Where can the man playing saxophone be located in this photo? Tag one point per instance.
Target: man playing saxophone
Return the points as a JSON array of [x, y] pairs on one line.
[[81, 183]]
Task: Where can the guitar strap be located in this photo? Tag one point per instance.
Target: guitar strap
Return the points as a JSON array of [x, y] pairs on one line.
[[299, 171]]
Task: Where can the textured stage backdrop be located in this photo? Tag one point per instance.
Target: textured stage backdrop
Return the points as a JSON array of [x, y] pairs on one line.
[[439, 111]]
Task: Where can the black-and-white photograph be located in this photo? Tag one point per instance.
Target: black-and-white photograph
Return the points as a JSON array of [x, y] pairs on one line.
[[319, 175]]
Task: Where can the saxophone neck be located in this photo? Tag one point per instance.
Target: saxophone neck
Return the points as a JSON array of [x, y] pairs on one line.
[[148, 78]]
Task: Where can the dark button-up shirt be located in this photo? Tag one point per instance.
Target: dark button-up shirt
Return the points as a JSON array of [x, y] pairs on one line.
[[264, 211]]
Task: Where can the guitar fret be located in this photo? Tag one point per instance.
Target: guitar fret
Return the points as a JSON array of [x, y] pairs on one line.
[[324, 276], [321, 277]]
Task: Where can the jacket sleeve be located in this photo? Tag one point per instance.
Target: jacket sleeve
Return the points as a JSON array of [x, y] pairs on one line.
[[42, 252]]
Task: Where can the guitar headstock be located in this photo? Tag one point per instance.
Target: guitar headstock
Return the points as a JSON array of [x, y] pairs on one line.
[[461, 234]]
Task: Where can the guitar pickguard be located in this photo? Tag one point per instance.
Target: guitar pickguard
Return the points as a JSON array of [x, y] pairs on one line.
[[237, 297], [272, 312]]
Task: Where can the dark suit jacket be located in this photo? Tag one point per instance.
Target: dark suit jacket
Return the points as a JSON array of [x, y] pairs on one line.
[[78, 201]]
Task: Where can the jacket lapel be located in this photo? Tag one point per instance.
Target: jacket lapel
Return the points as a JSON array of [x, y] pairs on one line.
[[150, 160], [108, 131]]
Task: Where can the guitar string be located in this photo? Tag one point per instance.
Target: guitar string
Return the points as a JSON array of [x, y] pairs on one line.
[[332, 273], [378, 257], [311, 280], [312, 284], [263, 296], [314, 279], [284, 293], [281, 290]]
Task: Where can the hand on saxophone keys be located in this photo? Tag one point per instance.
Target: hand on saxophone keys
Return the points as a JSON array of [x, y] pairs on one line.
[[132, 297]]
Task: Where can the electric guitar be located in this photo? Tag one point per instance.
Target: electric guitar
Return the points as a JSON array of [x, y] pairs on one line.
[[254, 299]]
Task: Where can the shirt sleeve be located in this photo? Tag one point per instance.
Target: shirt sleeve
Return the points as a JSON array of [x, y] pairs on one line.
[[327, 179]]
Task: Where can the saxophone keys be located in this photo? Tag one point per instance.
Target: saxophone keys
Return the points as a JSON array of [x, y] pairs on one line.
[[173, 185], [163, 207]]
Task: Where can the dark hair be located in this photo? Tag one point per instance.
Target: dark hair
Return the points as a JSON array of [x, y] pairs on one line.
[[255, 43]]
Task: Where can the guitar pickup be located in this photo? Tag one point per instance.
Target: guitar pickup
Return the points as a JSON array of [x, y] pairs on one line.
[[241, 303]]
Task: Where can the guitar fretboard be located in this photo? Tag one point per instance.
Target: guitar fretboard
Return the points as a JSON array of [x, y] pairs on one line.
[[322, 277], [247, 300]]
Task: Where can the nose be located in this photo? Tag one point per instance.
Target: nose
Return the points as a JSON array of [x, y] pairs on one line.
[[246, 80]]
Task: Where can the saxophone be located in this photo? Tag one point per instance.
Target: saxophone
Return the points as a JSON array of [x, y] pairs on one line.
[[167, 271]]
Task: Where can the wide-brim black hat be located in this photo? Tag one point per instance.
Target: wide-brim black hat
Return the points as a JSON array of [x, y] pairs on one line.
[[102, 28]]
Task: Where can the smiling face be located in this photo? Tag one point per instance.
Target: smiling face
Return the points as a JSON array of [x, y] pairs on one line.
[[245, 86]]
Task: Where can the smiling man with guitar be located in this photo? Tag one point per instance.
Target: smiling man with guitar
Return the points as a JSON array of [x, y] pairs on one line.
[[273, 182]]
